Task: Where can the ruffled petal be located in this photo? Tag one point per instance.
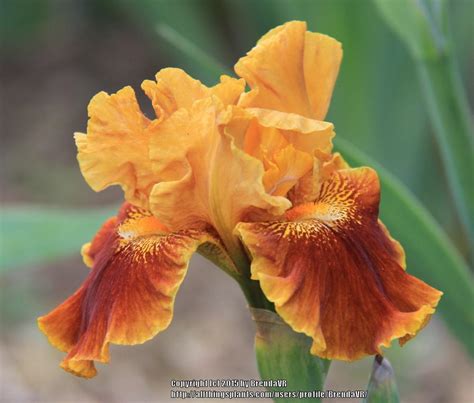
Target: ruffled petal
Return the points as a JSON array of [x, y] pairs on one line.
[[128, 297], [206, 174], [287, 144], [175, 89], [335, 274], [291, 70], [115, 149], [305, 134], [287, 166]]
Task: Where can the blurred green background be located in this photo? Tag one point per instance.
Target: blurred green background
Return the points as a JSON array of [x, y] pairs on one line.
[[56, 54]]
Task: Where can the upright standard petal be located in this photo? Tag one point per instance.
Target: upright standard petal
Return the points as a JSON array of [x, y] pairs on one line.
[[335, 274], [115, 149], [291, 70], [286, 143], [202, 171], [175, 89], [128, 297]]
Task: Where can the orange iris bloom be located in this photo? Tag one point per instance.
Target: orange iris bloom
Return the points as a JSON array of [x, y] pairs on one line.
[[249, 180]]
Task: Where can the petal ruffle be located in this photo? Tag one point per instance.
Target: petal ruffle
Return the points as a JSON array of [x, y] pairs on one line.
[[202, 170], [286, 143], [129, 294], [305, 134], [291, 70], [175, 89], [115, 149], [335, 274]]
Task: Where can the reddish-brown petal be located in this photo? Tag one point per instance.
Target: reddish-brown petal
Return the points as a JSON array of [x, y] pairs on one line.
[[128, 297], [90, 250], [334, 272]]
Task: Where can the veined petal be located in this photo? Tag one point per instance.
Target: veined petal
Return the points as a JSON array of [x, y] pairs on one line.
[[90, 250], [308, 187], [291, 70], [205, 174], [334, 273], [128, 297], [115, 149], [175, 89]]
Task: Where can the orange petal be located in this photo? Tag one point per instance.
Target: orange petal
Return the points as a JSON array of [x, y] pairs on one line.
[[205, 174], [285, 143], [309, 185], [115, 149], [175, 89], [287, 167], [291, 70], [129, 294], [305, 134], [334, 273]]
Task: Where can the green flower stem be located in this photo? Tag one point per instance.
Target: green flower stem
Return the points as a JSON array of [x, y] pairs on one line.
[[449, 113], [254, 294], [284, 354]]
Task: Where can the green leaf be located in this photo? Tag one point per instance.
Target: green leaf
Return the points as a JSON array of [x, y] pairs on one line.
[[206, 63], [382, 387], [35, 235], [419, 23], [430, 254], [194, 18], [284, 354], [422, 26], [450, 117]]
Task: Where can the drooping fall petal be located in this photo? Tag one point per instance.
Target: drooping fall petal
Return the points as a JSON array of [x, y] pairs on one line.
[[291, 70], [90, 250], [334, 273], [128, 297]]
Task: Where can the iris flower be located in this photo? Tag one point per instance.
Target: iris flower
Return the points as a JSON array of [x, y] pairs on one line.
[[249, 180]]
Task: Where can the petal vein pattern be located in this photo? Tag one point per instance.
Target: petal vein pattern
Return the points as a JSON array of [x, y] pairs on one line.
[[334, 272], [128, 297]]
